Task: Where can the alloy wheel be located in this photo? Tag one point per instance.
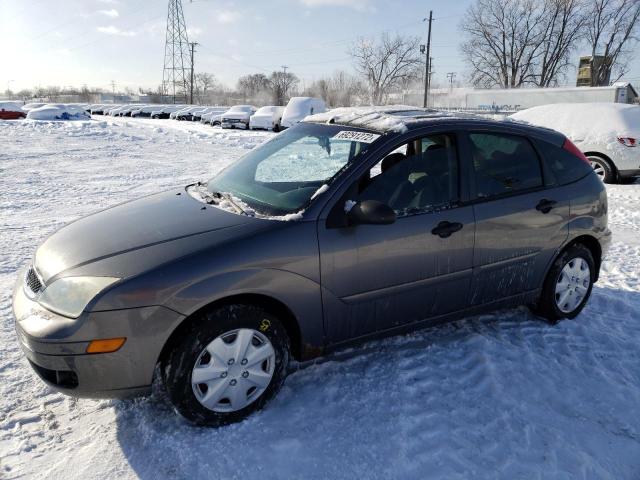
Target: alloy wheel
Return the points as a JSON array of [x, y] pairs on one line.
[[598, 168]]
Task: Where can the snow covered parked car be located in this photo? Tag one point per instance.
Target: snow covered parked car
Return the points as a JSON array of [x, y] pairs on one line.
[[11, 111], [607, 133], [188, 113], [299, 107], [351, 225], [213, 116], [267, 118], [58, 111], [144, 111], [237, 116], [164, 112]]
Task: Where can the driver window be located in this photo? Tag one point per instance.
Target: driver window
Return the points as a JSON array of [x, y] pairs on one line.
[[418, 176]]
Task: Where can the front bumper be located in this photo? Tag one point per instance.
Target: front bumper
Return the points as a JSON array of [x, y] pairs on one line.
[[55, 346], [233, 123]]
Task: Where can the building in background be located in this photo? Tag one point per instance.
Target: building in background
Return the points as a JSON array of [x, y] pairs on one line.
[[514, 99], [587, 66]]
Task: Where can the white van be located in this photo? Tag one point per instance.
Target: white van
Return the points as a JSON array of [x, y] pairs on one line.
[[299, 107]]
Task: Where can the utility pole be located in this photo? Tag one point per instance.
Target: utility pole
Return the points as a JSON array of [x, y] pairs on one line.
[[284, 69], [427, 71], [451, 76], [113, 90], [193, 51]]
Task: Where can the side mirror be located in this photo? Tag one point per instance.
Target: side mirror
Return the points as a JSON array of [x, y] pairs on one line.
[[371, 212]]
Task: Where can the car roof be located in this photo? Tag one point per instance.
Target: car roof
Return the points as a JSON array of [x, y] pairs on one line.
[[402, 118]]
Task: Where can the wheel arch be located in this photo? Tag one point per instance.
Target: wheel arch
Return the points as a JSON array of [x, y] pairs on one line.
[[606, 158], [270, 304], [589, 242]]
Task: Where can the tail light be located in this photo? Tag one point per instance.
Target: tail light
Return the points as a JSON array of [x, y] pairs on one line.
[[575, 151], [628, 141]]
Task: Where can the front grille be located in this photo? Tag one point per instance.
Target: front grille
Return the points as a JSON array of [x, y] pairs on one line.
[[32, 282]]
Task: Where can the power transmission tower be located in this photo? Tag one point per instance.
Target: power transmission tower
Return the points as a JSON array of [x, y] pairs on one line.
[[176, 54], [193, 51]]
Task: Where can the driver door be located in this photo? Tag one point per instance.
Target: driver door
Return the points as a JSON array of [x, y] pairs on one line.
[[377, 277]]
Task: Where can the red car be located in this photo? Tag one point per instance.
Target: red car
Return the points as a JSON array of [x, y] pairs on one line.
[[11, 111]]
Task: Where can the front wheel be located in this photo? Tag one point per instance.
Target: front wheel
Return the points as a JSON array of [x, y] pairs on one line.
[[568, 284], [228, 363]]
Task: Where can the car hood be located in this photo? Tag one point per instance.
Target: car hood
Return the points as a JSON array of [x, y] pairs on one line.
[[149, 221]]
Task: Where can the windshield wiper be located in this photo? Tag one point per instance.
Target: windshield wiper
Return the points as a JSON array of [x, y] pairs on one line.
[[216, 197], [229, 198]]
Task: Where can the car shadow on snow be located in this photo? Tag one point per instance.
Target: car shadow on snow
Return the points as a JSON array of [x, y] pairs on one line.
[[497, 395]]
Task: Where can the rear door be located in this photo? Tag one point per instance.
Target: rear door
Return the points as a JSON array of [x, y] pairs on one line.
[[520, 219], [376, 277]]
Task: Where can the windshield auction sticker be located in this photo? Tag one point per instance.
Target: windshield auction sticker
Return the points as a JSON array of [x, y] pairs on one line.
[[355, 136]]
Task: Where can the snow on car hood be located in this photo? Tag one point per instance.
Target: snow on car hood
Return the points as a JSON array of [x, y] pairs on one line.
[[131, 226]]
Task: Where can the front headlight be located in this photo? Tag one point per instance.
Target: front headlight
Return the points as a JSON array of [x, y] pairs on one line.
[[69, 296]]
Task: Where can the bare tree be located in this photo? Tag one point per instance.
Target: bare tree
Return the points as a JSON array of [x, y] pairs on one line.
[[613, 27], [339, 90], [562, 29], [205, 83], [281, 83], [386, 63], [252, 85], [512, 43]]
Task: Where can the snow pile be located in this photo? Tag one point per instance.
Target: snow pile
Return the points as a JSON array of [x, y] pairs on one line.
[[58, 111], [586, 122], [501, 396]]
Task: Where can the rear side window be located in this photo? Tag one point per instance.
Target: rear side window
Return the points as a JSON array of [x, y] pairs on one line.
[[562, 166], [503, 164]]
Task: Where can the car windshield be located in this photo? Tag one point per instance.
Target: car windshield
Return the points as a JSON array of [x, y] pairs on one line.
[[265, 110], [281, 176], [241, 109]]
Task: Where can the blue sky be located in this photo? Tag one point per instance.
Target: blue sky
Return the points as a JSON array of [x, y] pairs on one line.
[[75, 42]]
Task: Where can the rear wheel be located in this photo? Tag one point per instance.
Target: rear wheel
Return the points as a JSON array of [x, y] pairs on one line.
[[603, 168], [568, 284], [227, 365]]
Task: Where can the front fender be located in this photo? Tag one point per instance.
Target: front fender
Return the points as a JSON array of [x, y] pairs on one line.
[[299, 294]]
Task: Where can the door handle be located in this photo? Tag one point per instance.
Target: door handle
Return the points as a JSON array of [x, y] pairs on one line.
[[445, 229], [545, 205]]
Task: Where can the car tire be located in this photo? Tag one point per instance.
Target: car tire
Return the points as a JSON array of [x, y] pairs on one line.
[[603, 168], [276, 127], [215, 331], [568, 285]]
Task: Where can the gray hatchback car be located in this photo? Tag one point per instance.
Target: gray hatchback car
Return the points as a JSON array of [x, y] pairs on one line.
[[350, 225]]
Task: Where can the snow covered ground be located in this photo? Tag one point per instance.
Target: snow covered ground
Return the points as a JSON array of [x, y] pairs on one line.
[[498, 396]]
